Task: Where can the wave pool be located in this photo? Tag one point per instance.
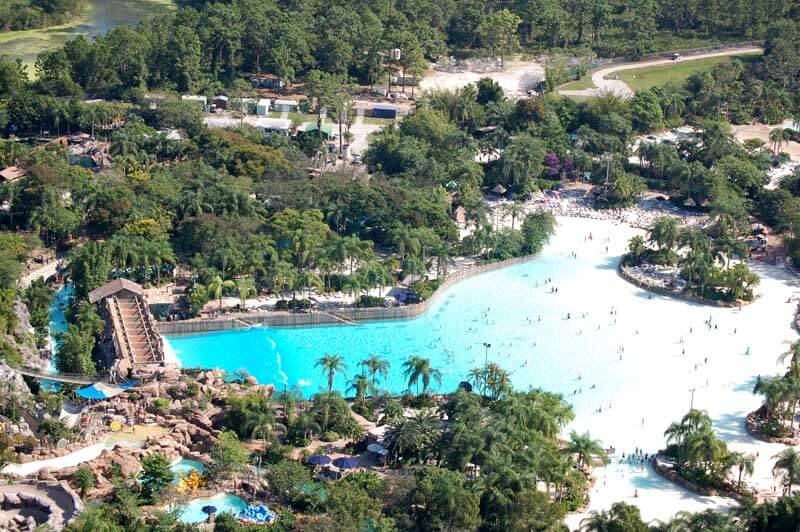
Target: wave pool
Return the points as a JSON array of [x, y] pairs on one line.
[[625, 359]]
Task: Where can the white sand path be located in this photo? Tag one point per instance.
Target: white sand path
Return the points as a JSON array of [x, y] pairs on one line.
[[620, 88]]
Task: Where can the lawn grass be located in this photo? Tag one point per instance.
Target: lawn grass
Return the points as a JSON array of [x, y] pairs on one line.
[[378, 121], [644, 78], [584, 82]]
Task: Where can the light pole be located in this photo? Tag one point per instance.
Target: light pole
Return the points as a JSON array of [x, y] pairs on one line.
[[486, 354], [691, 404]]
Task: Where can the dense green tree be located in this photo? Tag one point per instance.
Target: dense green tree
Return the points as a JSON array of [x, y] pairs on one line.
[[156, 476]]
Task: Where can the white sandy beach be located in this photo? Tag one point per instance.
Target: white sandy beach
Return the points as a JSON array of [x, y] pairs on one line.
[[716, 365]]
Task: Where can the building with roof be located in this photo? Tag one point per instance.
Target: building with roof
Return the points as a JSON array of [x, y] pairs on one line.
[[308, 127], [130, 338], [269, 126], [286, 106], [262, 107], [384, 110], [12, 174], [220, 101]]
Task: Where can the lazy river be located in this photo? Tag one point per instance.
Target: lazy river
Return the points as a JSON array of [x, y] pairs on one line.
[[627, 361]]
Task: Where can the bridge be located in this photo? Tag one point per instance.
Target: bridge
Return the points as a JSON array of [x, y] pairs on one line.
[[70, 378]]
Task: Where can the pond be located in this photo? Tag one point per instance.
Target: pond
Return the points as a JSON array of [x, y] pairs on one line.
[[101, 16]]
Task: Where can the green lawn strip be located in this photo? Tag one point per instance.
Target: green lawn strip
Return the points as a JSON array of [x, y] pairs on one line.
[[378, 121], [576, 85], [679, 71]]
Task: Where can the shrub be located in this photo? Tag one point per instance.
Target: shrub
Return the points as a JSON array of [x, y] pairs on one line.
[[329, 436], [370, 301], [56, 430], [292, 304], [192, 388], [160, 403]]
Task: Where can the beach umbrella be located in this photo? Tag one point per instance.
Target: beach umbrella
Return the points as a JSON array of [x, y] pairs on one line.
[[319, 459], [209, 509], [375, 448], [346, 462]]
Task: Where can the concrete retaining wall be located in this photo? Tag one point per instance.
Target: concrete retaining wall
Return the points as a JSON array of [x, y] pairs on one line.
[[339, 316], [686, 295]]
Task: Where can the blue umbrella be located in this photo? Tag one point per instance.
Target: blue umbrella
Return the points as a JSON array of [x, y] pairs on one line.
[[346, 462], [319, 459]]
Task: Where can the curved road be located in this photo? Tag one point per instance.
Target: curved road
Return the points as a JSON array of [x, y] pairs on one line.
[[619, 87]]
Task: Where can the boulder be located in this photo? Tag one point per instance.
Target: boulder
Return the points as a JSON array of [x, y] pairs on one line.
[[200, 421], [46, 474]]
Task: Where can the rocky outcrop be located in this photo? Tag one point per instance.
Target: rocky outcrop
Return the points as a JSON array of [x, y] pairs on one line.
[[23, 339]]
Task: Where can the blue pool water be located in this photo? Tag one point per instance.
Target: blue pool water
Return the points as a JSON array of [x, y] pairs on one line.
[[58, 305], [57, 325], [625, 360], [512, 309], [185, 465], [193, 512]]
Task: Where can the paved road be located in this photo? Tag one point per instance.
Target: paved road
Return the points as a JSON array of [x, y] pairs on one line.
[[619, 87]]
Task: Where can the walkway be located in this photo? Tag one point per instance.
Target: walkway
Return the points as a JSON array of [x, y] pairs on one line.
[[620, 88], [45, 272]]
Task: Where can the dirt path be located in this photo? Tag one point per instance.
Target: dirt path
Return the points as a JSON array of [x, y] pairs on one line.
[[619, 87]]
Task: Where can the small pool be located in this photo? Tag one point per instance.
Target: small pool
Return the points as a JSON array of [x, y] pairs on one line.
[[224, 502], [185, 465]]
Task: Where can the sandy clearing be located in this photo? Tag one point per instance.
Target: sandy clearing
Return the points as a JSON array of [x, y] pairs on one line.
[[621, 88], [762, 131], [516, 78]]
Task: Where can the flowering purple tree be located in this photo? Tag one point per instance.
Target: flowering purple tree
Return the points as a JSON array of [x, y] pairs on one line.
[[552, 163]]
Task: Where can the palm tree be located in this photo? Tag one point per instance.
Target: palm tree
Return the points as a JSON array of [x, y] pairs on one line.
[[664, 233], [745, 463], [260, 424], [331, 365], [217, 286], [776, 391], [779, 136], [788, 464], [375, 365], [597, 522], [413, 438], [636, 247], [584, 446], [477, 376], [416, 368], [793, 355], [514, 209], [497, 380], [246, 288], [359, 385]]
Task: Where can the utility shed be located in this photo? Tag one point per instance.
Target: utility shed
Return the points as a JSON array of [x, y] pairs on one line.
[[384, 110]]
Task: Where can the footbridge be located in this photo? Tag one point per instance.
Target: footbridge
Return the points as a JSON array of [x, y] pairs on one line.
[[70, 378]]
